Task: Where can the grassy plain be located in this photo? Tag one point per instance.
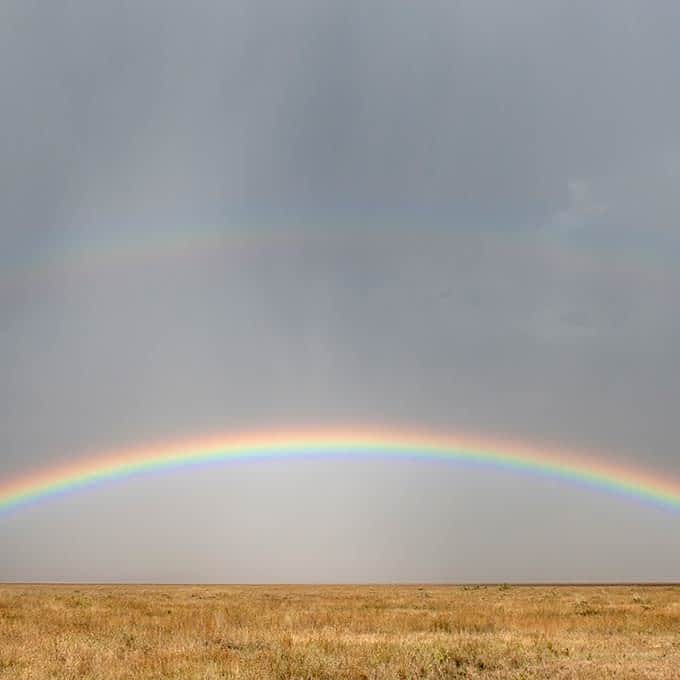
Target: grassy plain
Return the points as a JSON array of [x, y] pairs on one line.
[[358, 632]]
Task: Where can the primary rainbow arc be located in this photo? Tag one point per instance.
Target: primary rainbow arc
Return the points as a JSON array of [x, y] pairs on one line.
[[502, 454]]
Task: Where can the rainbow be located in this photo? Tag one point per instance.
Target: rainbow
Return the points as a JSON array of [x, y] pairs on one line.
[[502, 454], [113, 250]]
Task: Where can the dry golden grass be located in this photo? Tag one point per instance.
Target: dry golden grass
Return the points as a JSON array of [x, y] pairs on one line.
[[306, 632]]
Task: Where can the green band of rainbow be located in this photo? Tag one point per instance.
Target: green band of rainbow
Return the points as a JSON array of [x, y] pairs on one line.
[[594, 471]]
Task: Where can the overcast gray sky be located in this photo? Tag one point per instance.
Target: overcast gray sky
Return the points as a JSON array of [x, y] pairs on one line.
[[452, 215]]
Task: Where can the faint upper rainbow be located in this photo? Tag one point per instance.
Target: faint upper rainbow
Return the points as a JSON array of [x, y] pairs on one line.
[[115, 249], [502, 454]]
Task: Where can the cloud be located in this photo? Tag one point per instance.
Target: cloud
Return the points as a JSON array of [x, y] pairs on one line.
[[454, 215]]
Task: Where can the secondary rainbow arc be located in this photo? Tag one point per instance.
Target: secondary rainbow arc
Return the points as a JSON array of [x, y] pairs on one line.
[[503, 454]]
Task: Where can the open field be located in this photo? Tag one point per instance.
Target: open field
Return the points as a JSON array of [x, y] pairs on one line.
[[307, 632]]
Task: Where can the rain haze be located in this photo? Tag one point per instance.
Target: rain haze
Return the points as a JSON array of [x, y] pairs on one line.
[[243, 216]]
